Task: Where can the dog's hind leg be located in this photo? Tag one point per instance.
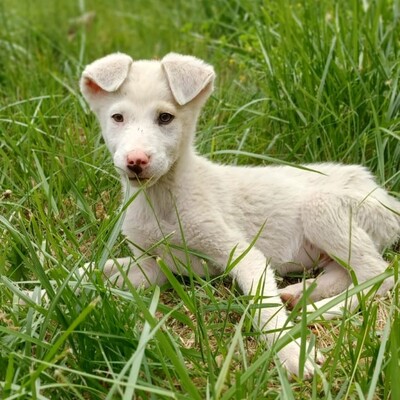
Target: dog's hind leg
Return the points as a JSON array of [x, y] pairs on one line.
[[333, 280], [329, 224]]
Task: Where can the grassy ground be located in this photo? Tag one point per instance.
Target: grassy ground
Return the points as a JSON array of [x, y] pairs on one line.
[[297, 82]]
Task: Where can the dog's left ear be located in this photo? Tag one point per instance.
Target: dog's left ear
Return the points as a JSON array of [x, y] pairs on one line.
[[187, 76]]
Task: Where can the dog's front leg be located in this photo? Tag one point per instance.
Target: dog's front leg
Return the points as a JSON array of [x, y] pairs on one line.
[[256, 278], [142, 271]]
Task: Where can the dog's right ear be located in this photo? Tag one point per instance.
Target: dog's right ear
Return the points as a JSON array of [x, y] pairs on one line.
[[106, 74]]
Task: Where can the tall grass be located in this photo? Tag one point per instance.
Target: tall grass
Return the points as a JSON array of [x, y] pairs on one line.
[[298, 82]]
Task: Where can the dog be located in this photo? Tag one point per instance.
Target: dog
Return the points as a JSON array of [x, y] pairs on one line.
[[252, 221]]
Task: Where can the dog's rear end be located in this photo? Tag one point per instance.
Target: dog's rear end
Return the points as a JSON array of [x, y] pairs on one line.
[[351, 222]]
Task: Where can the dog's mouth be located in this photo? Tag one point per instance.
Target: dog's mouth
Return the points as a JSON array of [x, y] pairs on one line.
[[137, 178]]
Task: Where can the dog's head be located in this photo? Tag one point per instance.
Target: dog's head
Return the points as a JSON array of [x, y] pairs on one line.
[[147, 109]]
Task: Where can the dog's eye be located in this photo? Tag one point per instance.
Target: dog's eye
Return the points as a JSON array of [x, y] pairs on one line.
[[117, 117], [165, 118]]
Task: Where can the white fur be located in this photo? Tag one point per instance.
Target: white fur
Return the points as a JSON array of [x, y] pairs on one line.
[[303, 217]]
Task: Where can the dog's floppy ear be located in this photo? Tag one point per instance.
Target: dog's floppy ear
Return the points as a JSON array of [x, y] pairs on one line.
[[106, 74], [187, 76]]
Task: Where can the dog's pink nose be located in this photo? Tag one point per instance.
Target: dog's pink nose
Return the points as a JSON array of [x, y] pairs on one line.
[[137, 157], [136, 160]]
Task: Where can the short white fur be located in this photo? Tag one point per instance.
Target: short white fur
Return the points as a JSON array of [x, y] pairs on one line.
[[303, 218]]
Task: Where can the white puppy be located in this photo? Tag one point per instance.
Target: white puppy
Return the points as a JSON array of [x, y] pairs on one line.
[[300, 218]]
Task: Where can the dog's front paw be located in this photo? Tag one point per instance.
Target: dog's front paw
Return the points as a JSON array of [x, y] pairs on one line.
[[289, 357], [37, 296], [109, 271]]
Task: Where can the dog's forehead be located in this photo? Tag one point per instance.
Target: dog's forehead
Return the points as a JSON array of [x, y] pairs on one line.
[[147, 80]]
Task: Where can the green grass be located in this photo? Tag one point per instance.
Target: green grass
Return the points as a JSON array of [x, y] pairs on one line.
[[298, 82]]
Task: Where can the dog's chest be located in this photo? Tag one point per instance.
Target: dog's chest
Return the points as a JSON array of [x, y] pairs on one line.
[[156, 232], [146, 225]]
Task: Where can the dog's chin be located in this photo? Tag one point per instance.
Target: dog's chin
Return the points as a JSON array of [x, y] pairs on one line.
[[138, 181]]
